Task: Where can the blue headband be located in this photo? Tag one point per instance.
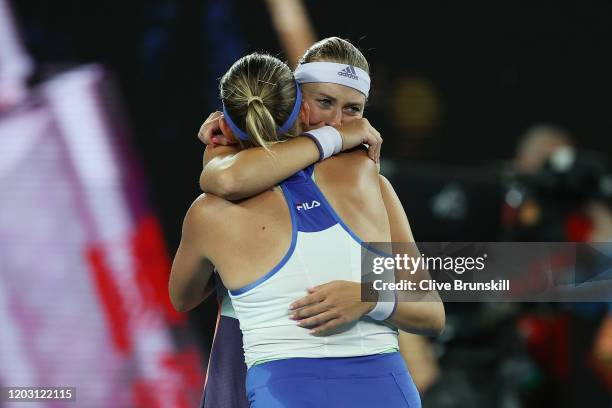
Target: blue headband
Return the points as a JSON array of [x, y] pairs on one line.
[[242, 135]]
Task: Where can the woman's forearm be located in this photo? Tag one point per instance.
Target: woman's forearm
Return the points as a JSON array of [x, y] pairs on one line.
[[235, 174], [426, 314], [424, 317]]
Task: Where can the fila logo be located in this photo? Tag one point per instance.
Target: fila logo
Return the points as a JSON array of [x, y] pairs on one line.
[[308, 206], [348, 72]]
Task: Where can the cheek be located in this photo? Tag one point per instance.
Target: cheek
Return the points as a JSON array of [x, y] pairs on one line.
[[316, 113], [348, 118]]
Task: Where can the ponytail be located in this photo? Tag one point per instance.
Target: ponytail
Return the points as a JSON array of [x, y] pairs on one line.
[[260, 124]]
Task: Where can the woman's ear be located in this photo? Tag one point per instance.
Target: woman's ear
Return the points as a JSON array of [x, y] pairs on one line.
[[227, 132], [305, 113]]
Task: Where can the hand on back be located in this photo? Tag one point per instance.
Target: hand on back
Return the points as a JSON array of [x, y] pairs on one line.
[[360, 131]]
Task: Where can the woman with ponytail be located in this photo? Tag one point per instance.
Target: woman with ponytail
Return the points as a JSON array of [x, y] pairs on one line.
[[269, 248]]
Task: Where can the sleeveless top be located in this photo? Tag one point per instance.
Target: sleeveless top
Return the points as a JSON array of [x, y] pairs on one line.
[[323, 248]]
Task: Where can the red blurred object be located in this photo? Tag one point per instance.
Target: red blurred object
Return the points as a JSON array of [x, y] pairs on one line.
[[578, 227], [547, 341], [111, 300], [153, 265]]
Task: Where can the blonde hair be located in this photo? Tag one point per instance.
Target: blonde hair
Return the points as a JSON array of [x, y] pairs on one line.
[[334, 49], [258, 93]]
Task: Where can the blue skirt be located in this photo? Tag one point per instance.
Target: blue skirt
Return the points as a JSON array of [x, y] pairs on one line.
[[380, 380]]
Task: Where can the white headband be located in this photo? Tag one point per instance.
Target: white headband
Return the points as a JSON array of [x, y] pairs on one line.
[[334, 73]]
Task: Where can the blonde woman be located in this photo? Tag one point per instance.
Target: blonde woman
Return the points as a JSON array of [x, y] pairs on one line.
[[269, 247]]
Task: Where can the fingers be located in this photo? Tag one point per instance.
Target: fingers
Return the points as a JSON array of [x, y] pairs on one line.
[[318, 320], [378, 147], [210, 128], [374, 142], [213, 116], [372, 138], [307, 300], [222, 140], [309, 311], [327, 326], [313, 289], [372, 152]]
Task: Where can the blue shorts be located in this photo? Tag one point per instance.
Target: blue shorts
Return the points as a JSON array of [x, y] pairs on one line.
[[380, 380]]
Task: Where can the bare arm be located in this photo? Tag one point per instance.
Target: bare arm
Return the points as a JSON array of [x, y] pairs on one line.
[[234, 174], [231, 173], [420, 317], [293, 26], [420, 359], [190, 281]]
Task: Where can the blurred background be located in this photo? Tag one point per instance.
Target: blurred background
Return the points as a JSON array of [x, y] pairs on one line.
[[496, 127]]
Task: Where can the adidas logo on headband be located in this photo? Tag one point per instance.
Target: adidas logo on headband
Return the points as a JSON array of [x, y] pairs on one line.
[[348, 72], [332, 72]]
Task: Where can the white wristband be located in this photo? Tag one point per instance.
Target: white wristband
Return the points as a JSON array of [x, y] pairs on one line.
[[327, 139], [385, 306]]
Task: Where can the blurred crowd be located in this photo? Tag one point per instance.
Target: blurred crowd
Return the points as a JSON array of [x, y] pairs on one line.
[[551, 354]]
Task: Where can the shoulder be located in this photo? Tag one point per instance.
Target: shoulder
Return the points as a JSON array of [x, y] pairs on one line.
[[202, 205], [202, 213], [356, 156], [351, 166]]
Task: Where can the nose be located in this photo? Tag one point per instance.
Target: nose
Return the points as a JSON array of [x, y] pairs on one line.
[[335, 117]]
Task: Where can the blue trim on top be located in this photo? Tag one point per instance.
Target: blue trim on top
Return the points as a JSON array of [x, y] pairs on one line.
[[377, 251], [336, 217], [283, 261], [309, 171]]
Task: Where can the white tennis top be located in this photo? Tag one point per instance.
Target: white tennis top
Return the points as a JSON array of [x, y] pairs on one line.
[[322, 249]]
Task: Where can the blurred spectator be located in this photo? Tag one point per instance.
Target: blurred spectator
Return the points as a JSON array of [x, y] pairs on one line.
[[600, 215], [556, 193], [537, 145]]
